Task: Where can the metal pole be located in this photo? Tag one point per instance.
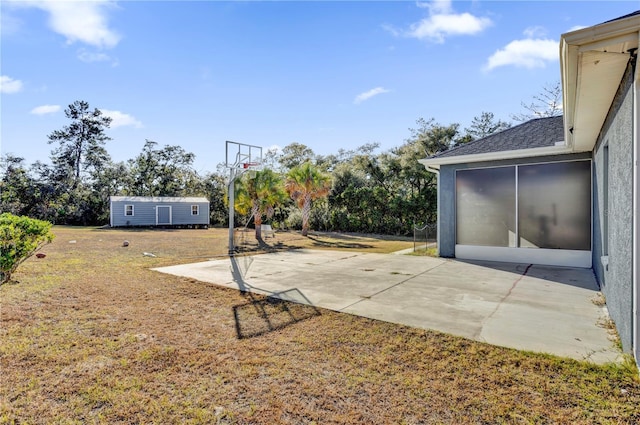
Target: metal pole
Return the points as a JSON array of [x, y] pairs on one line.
[[231, 191], [414, 237]]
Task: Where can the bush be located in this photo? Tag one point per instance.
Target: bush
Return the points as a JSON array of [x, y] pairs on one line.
[[294, 220], [320, 215], [20, 238]]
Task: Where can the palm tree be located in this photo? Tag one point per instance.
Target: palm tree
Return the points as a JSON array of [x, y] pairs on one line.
[[305, 183], [259, 194]]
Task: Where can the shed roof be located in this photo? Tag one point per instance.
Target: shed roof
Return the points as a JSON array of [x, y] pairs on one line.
[[537, 133], [187, 199]]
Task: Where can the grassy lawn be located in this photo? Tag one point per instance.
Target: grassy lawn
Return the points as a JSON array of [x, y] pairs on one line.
[[91, 335]]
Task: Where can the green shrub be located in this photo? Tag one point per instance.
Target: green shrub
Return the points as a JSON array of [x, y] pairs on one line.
[[294, 220], [20, 238]]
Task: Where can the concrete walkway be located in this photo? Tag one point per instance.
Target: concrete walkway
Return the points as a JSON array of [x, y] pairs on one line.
[[527, 307]]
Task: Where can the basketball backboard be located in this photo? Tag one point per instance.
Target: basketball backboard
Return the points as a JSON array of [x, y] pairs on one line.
[[242, 157]]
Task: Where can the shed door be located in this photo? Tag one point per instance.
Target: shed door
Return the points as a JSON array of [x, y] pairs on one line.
[[163, 214]]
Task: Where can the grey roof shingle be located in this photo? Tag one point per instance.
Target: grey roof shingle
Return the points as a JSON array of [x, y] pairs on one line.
[[537, 133], [637, 12]]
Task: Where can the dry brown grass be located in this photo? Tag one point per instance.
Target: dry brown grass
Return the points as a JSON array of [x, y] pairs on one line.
[[91, 335]]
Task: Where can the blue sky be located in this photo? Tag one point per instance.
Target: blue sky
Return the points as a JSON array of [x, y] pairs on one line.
[[327, 74]]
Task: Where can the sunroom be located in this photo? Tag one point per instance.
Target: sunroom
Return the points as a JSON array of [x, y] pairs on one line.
[[516, 196]]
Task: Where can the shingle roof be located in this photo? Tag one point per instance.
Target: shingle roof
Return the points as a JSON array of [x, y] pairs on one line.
[[537, 133], [637, 12]]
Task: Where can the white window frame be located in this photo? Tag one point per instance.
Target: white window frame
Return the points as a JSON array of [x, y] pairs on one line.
[[132, 210], [197, 211]]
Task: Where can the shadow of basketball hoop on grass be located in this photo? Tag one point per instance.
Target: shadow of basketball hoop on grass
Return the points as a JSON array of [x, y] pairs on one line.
[[266, 313]]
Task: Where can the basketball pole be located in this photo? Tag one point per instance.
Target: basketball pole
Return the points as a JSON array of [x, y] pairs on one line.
[[231, 191]]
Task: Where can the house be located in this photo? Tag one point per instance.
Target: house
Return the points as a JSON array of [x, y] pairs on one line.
[[158, 211], [561, 190]]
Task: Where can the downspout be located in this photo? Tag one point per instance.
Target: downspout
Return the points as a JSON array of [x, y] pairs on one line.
[[437, 173], [636, 195]]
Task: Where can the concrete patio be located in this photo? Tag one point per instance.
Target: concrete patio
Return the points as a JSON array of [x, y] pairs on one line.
[[522, 306]]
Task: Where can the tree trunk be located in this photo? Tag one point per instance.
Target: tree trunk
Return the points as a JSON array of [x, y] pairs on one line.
[[257, 220], [306, 213]]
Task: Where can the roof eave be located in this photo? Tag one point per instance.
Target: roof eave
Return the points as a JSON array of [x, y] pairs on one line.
[[568, 77], [435, 163], [592, 62]]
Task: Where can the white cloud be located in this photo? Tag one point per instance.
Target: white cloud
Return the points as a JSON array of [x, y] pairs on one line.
[[86, 56], [576, 28], [45, 109], [393, 31], [527, 53], [79, 21], [9, 85], [437, 27], [437, 6], [369, 94], [442, 23], [120, 119], [9, 24], [535, 32]]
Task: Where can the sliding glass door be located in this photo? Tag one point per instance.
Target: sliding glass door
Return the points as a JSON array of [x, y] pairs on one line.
[[545, 206], [554, 205]]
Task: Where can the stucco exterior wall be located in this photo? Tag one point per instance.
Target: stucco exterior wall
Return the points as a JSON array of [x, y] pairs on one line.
[[447, 211], [616, 279], [447, 194]]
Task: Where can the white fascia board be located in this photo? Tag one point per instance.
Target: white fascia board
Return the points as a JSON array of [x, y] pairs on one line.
[[603, 45], [569, 81], [609, 30], [496, 156], [573, 44]]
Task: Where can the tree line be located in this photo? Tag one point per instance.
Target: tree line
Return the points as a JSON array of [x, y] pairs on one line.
[[361, 190]]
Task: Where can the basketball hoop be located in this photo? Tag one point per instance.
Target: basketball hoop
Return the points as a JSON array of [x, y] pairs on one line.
[[240, 159]]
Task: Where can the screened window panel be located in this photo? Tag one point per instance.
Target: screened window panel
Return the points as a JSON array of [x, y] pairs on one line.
[[486, 207], [554, 205]]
